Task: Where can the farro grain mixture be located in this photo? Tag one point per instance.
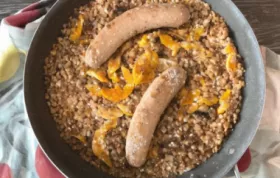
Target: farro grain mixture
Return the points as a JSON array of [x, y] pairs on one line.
[[195, 122]]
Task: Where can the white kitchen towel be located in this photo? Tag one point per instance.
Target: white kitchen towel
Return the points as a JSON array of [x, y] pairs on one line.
[[265, 148]]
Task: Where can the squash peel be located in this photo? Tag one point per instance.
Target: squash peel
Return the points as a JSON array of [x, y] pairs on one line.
[[168, 42], [144, 68], [94, 90], [80, 138], [98, 74], [224, 102], [143, 42], [117, 94], [113, 65], [109, 113], [127, 75], [125, 109], [77, 30], [98, 141]]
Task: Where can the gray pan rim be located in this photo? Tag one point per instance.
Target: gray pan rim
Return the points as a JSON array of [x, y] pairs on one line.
[[71, 165]]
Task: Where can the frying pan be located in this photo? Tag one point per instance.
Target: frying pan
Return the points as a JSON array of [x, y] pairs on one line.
[[71, 165]]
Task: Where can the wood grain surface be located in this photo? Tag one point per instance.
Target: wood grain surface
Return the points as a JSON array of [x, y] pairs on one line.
[[263, 15]]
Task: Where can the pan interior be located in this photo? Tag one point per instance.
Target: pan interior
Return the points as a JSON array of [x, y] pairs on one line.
[[72, 165]]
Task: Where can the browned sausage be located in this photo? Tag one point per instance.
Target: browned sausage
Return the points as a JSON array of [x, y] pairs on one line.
[[147, 114], [131, 23]]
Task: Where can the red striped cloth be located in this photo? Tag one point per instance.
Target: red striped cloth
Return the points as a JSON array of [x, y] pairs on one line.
[[29, 14]]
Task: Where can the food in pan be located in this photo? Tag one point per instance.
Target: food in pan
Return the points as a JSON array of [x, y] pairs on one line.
[[138, 94]]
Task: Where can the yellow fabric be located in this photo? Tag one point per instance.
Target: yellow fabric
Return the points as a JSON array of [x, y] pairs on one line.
[[9, 63]]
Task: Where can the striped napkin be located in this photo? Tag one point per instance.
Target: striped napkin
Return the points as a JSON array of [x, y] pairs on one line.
[[20, 154]]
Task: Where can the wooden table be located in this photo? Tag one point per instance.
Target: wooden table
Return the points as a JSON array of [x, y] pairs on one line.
[[263, 15]]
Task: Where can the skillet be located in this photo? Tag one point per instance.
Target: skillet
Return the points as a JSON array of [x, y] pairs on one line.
[[71, 165]]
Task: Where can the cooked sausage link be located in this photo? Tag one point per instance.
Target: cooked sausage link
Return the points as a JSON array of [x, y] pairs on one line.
[[147, 114], [131, 23]]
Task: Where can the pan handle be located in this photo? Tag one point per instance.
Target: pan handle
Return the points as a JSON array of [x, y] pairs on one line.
[[234, 172]]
